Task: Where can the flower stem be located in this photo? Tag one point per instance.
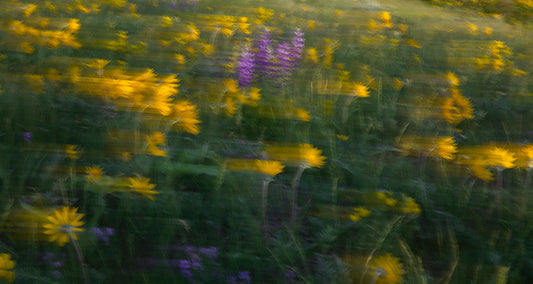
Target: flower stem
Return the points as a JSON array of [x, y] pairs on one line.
[[264, 202], [80, 258], [295, 183], [347, 103]]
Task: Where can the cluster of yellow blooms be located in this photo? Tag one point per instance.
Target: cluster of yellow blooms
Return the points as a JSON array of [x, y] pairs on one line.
[[267, 167], [481, 158], [436, 147], [303, 155], [386, 269], [48, 38], [456, 107], [233, 97], [496, 58], [6, 267]]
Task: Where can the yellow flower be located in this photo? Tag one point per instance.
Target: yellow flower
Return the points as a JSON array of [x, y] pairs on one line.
[[6, 264], [153, 141], [231, 86], [312, 56], [359, 213], [311, 25], [413, 43], [73, 25], [452, 79], [456, 108], [499, 157], [446, 147], [98, 66], [303, 155], [263, 15], [29, 10], [360, 90], [143, 186], [386, 19], [311, 157], [386, 269], [342, 137], [133, 10], [244, 25], [125, 156], [271, 168], [36, 82], [93, 173], [27, 47], [488, 30], [230, 107], [386, 198], [185, 115], [528, 151], [193, 32], [115, 3], [166, 22], [72, 152], [473, 28], [302, 114], [410, 206], [180, 58], [397, 84], [481, 171], [63, 225], [158, 138]]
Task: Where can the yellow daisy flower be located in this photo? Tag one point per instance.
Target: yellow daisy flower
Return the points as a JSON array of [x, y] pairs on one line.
[[499, 157], [359, 213], [446, 147], [63, 225], [72, 152], [410, 206], [271, 168], [143, 186], [6, 264], [528, 151], [386, 269], [360, 90], [186, 116], [93, 173], [311, 157]]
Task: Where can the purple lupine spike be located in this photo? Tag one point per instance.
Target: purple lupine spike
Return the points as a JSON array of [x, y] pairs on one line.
[[298, 44], [246, 68], [264, 55], [283, 62]]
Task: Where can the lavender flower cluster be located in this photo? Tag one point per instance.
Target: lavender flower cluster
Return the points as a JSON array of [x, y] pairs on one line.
[[270, 61]]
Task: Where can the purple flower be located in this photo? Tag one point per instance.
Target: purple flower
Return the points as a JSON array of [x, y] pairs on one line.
[[245, 277], [290, 275], [265, 55], [283, 63], [27, 137], [185, 269], [103, 234], [298, 44], [246, 68], [211, 252], [278, 62]]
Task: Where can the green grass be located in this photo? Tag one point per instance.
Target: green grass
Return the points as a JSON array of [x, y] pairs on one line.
[[206, 223]]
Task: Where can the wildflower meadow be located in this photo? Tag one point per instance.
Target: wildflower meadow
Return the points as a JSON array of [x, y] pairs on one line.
[[241, 141]]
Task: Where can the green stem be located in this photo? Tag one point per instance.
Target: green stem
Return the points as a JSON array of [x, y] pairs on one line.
[[264, 202], [347, 103], [80, 258], [294, 201]]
